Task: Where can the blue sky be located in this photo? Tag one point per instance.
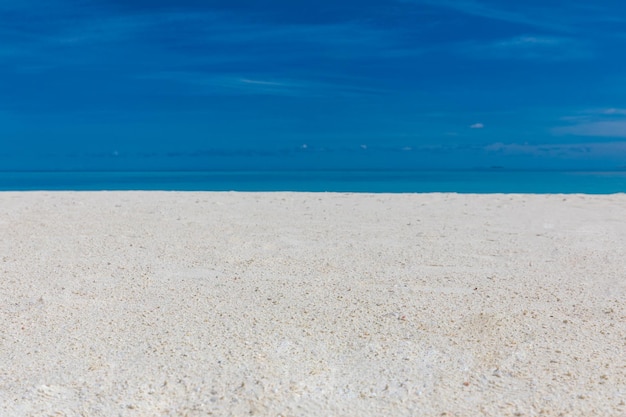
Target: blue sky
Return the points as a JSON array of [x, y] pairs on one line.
[[203, 84]]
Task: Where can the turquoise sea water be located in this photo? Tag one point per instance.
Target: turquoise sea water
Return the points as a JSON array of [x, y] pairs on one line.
[[465, 181]]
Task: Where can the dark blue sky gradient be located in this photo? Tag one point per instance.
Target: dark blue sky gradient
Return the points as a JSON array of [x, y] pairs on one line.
[[196, 84]]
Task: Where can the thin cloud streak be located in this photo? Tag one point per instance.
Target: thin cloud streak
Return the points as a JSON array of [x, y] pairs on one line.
[[231, 38], [529, 47], [611, 129], [572, 150], [239, 84], [372, 72], [479, 9], [614, 111], [600, 122]]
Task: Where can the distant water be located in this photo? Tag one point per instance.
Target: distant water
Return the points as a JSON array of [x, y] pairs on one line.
[[468, 181]]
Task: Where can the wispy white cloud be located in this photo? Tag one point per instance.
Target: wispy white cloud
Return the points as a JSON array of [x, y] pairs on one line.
[[530, 17], [599, 122], [50, 45], [614, 111], [99, 30], [615, 149], [529, 47], [262, 82], [531, 41], [576, 30], [229, 37], [477, 126], [239, 84], [611, 129]]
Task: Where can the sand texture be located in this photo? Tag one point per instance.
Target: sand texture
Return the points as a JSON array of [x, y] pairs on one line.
[[299, 304]]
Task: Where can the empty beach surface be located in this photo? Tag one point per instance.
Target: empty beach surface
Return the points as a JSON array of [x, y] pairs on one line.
[[306, 304]]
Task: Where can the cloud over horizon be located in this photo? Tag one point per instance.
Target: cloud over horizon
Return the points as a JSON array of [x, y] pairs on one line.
[[604, 122], [408, 74]]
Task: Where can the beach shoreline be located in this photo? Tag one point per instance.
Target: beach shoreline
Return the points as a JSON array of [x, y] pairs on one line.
[[305, 304]]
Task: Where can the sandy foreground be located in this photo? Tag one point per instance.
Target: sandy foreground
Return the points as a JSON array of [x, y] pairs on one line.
[[301, 304]]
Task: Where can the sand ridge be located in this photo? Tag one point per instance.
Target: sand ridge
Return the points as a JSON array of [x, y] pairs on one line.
[[306, 304]]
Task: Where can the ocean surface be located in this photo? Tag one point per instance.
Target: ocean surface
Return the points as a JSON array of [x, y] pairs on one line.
[[459, 181]]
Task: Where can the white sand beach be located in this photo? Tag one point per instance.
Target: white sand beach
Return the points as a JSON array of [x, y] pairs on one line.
[[305, 304]]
